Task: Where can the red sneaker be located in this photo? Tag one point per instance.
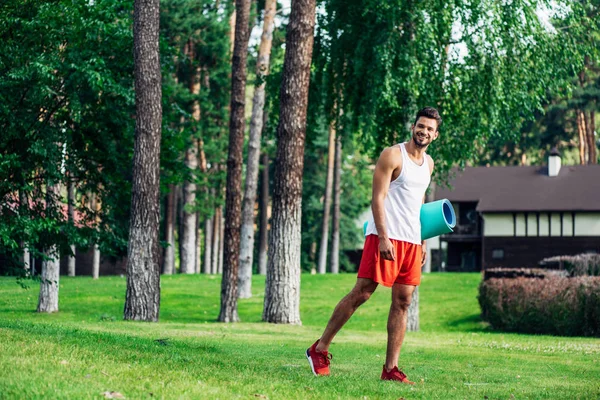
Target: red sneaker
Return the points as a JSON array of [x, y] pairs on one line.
[[318, 360], [395, 375]]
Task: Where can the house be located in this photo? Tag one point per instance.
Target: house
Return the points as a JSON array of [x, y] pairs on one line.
[[516, 216]]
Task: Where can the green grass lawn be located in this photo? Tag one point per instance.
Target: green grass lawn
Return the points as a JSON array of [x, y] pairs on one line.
[[86, 349]]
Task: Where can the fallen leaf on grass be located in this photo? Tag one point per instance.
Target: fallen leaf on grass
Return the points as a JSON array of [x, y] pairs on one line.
[[64, 362], [113, 395], [260, 396]]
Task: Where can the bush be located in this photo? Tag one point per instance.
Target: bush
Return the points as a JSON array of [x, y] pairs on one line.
[[552, 305], [577, 265], [522, 273]]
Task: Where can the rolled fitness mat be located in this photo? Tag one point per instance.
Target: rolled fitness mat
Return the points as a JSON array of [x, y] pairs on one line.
[[437, 218]]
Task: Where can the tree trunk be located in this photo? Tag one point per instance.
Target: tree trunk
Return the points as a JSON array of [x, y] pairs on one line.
[[581, 130], [208, 236], [216, 241], [71, 216], [26, 259], [179, 214], [233, 198], [169, 251], [590, 124], [189, 230], [256, 127], [337, 186], [232, 26], [25, 255], [198, 262], [96, 262], [264, 216], [322, 266], [50, 274], [221, 244], [142, 300], [413, 312], [96, 251], [49, 282], [282, 291], [187, 256]]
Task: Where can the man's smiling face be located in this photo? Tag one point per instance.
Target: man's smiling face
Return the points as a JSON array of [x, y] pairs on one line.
[[424, 131]]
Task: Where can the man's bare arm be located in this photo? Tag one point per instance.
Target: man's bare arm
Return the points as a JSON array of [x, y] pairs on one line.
[[388, 162]]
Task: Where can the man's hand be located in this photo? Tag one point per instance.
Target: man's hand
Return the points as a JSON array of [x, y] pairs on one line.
[[423, 253], [386, 249]]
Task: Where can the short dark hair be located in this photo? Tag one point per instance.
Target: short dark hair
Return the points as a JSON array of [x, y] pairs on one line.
[[430, 112]]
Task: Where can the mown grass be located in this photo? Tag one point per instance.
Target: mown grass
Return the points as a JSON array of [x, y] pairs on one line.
[[86, 349]]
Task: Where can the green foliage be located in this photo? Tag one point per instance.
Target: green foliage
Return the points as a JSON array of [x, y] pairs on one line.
[[486, 65], [196, 41], [66, 97], [67, 108]]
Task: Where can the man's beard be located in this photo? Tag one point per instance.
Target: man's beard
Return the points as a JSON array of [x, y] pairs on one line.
[[419, 145]]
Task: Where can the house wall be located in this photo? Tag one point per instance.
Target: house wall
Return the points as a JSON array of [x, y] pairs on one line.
[[528, 251], [523, 239], [498, 225], [587, 224], [533, 224]]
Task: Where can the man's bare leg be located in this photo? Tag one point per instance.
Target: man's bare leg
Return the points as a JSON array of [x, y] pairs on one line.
[[396, 326], [360, 293]]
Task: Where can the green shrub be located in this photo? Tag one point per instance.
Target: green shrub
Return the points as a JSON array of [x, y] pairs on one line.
[[552, 305]]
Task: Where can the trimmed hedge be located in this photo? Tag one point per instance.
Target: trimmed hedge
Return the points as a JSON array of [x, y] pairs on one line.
[[552, 305], [577, 265]]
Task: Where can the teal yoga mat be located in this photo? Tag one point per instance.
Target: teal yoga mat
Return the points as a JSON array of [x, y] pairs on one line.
[[437, 218]]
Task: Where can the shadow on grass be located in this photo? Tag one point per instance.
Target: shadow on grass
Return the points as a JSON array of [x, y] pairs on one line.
[[470, 323]]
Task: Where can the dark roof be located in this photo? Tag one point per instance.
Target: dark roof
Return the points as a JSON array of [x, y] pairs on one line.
[[505, 189]]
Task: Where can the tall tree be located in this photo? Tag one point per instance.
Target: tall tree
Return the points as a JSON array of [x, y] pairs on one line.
[[233, 198], [169, 251], [216, 241], [71, 215], [256, 127], [264, 217], [337, 188], [282, 291], [95, 206], [142, 300], [322, 264], [189, 229]]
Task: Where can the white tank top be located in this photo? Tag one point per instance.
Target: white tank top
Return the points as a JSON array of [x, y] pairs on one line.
[[403, 202]]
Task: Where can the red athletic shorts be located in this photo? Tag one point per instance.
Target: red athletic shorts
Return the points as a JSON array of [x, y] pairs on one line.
[[405, 270]]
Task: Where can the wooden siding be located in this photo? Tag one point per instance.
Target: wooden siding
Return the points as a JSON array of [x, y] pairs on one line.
[[528, 251]]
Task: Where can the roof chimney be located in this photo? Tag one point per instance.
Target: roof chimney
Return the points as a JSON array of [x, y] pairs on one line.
[[554, 162]]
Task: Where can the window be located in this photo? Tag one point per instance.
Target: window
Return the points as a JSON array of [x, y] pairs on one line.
[[498, 254]]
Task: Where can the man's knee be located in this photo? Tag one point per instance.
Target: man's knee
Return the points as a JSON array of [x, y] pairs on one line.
[[361, 295], [401, 302]]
